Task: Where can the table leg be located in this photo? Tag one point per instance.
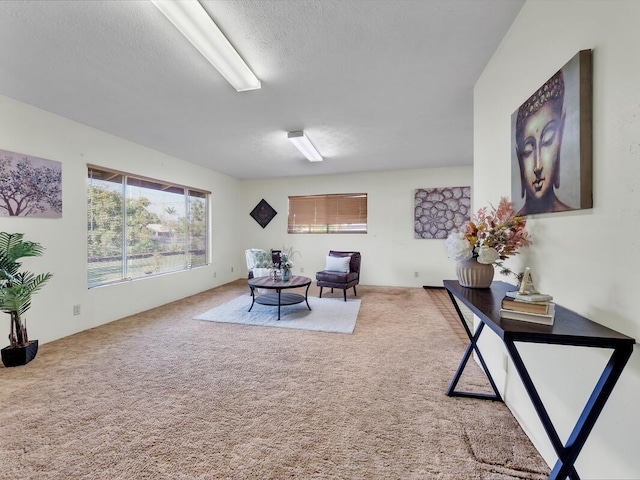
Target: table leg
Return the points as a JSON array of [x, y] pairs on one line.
[[306, 298], [473, 340], [568, 454], [253, 297], [278, 290], [592, 410], [554, 438]]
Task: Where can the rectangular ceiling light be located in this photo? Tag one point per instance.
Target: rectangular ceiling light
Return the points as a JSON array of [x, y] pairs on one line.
[[302, 143], [193, 21]]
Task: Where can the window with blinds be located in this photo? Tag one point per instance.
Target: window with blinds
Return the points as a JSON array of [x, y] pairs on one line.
[[137, 227], [333, 213]]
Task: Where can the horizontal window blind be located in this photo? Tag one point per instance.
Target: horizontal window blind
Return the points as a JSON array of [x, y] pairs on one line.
[[331, 213]]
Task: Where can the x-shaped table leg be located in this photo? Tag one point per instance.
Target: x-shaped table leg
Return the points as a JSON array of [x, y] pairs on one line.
[[473, 340], [567, 454]]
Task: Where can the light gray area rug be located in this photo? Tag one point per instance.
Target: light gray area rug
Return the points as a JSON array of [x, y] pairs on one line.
[[326, 315]]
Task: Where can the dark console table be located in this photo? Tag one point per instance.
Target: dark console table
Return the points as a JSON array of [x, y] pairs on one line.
[[569, 329]]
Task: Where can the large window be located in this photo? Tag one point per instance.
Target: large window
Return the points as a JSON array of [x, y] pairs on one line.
[[337, 213], [138, 227]]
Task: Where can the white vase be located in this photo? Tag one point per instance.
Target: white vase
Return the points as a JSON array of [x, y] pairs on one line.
[[472, 274]]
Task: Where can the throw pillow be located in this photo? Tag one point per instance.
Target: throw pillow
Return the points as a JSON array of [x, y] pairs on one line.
[[261, 258], [337, 264], [261, 272]]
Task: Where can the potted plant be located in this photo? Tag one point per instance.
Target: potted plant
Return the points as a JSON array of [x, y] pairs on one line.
[[285, 265], [16, 288]]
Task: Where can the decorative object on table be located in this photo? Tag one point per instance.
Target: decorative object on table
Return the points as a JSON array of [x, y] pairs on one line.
[[516, 305], [488, 239], [473, 274], [527, 287], [530, 297], [439, 211], [16, 289], [30, 186], [286, 255], [263, 213], [557, 117], [543, 319], [528, 307]]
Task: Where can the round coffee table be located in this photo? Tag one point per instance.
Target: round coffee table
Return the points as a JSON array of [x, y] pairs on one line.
[[278, 298]]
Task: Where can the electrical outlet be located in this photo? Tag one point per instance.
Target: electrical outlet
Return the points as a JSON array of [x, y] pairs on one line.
[[415, 274], [214, 274], [301, 269], [231, 269], [76, 309]]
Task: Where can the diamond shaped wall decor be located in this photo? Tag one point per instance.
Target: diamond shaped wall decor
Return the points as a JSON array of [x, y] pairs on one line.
[[263, 213]]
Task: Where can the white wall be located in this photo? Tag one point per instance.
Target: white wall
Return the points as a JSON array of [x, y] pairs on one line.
[[587, 259], [31, 131], [390, 253]]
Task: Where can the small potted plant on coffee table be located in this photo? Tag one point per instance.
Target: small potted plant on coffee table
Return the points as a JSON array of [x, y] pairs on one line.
[[16, 289]]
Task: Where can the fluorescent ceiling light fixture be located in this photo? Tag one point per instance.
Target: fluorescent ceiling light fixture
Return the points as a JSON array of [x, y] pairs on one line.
[[193, 21], [302, 143]]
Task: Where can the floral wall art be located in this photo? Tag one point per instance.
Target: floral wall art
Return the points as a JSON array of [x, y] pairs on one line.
[[441, 210], [29, 186]]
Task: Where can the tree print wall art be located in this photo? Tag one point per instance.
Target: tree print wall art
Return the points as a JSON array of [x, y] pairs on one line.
[[439, 211], [30, 186]]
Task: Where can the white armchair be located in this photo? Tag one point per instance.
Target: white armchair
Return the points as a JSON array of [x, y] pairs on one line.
[[260, 261]]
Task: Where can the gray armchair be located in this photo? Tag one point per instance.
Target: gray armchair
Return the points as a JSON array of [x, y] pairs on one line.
[[335, 276]]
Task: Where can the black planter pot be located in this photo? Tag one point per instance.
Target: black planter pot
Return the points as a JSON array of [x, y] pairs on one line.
[[13, 357]]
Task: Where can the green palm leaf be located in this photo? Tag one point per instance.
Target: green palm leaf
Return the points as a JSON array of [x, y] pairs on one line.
[[17, 287]]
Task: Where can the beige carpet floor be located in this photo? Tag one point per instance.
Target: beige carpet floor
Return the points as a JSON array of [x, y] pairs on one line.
[[161, 396]]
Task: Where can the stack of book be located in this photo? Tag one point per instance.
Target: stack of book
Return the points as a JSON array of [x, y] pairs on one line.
[[535, 308]]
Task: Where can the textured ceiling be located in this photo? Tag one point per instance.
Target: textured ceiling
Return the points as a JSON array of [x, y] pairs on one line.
[[375, 84]]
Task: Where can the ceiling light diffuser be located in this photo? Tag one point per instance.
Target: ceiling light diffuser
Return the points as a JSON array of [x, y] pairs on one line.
[[193, 21], [302, 143]]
